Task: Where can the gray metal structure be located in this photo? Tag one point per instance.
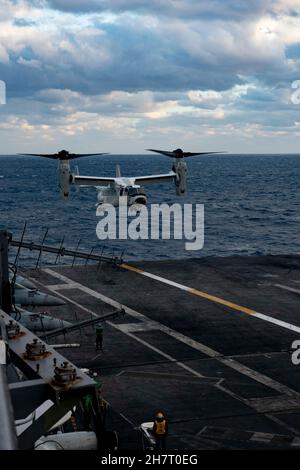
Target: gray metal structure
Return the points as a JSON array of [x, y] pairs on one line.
[[47, 375], [77, 326], [8, 437], [61, 251], [5, 290]]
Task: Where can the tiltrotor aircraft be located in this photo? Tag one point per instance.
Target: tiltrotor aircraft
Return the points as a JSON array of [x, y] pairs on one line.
[[111, 189]]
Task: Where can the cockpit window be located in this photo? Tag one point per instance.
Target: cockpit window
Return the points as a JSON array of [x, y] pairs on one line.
[[132, 191], [135, 191]]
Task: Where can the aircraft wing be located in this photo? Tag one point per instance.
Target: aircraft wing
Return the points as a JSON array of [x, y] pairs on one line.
[[155, 179], [80, 155], [92, 180]]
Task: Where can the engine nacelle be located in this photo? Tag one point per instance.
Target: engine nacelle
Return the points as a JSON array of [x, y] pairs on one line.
[[180, 168], [64, 178]]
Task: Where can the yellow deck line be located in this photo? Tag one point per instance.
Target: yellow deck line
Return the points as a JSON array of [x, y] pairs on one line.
[[218, 300], [131, 268], [197, 292]]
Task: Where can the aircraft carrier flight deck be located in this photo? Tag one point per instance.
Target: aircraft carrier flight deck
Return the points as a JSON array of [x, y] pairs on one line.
[[208, 341]]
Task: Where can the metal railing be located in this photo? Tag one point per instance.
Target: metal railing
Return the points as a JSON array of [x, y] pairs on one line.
[[60, 251], [77, 326]]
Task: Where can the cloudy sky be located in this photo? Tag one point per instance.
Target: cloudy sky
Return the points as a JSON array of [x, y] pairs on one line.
[[125, 75]]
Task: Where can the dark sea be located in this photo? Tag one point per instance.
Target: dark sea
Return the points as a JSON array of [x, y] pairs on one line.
[[252, 204]]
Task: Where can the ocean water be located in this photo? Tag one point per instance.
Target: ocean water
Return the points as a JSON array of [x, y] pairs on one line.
[[252, 203]]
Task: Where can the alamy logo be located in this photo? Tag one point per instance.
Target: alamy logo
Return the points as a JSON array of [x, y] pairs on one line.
[[295, 97], [2, 92], [296, 353], [160, 221]]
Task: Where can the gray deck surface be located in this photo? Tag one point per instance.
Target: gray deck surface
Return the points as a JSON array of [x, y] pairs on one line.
[[219, 374]]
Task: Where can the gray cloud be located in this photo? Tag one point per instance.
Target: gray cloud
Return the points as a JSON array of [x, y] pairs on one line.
[[230, 9], [123, 54], [138, 68]]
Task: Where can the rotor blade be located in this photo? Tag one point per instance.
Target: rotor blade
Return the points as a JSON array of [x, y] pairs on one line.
[[71, 156], [185, 154], [54, 156], [192, 154], [59, 156], [163, 152]]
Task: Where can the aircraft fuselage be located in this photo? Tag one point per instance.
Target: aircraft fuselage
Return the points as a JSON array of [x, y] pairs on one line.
[[133, 194]]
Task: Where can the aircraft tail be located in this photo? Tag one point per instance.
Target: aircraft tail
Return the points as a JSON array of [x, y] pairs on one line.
[[118, 171]]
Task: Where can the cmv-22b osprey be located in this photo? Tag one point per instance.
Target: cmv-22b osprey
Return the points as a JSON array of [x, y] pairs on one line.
[[111, 189]]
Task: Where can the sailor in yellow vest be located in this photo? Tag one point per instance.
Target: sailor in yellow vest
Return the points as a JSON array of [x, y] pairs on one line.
[[160, 431]]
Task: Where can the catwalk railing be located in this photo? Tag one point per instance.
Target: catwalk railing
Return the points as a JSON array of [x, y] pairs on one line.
[[61, 251]]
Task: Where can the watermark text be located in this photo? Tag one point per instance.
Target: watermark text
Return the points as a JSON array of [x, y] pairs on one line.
[[295, 97], [2, 92], [158, 222]]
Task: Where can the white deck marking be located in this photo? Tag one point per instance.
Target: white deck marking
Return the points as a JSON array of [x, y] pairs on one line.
[[60, 286], [258, 377], [73, 302], [158, 351], [165, 281], [127, 419], [95, 357], [114, 325], [229, 362], [277, 322], [231, 433], [291, 289], [218, 300], [253, 313], [137, 327], [296, 442], [261, 437]]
